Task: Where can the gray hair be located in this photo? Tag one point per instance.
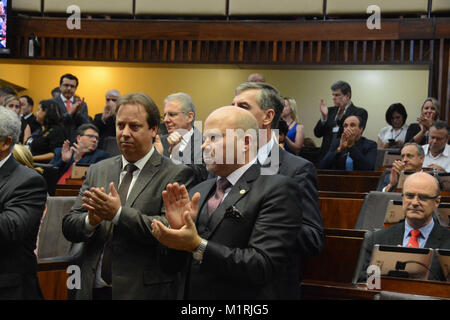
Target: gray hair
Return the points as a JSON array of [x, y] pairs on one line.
[[185, 101], [343, 86], [113, 92], [439, 125], [268, 98], [9, 126], [419, 148]]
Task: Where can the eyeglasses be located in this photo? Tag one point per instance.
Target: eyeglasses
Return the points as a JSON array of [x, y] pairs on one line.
[[171, 114], [420, 196], [91, 136]]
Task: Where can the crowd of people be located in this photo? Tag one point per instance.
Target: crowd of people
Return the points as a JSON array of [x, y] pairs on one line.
[[226, 213]]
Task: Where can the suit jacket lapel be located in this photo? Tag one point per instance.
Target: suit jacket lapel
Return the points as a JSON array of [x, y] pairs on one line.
[[434, 239], [144, 178], [239, 190]]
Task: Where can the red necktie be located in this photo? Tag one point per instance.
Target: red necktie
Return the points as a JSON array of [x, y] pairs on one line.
[[414, 239], [216, 199], [68, 105]]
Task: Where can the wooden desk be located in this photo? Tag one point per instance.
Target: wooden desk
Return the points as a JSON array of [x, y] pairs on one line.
[[338, 260], [67, 190], [322, 290], [340, 212], [350, 173], [72, 181], [347, 183]]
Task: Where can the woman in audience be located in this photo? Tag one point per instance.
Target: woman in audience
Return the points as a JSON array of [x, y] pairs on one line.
[[393, 136], [418, 132], [50, 136], [12, 102], [24, 156], [295, 136]]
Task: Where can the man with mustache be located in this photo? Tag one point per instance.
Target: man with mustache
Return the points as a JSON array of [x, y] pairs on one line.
[[419, 229]]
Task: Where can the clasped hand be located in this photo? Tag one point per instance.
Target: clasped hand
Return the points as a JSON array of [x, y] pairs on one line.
[[100, 205]]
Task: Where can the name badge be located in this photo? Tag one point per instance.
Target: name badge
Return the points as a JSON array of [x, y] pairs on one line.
[[336, 129]]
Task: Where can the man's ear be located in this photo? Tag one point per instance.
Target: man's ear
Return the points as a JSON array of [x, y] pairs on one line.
[[268, 118], [190, 116], [6, 144]]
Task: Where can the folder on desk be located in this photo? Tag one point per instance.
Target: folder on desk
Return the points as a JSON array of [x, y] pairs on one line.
[[79, 171], [403, 262]]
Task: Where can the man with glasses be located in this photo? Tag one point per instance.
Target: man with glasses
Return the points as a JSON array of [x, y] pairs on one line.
[[183, 142], [73, 111], [412, 160], [83, 152], [437, 151], [419, 229]]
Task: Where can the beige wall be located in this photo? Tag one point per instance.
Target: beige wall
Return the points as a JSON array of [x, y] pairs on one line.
[[213, 86]]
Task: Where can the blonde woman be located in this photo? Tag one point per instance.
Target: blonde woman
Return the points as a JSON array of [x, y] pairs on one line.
[[293, 142], [24, 156]]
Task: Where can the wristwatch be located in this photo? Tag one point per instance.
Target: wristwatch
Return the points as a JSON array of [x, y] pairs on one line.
[[198, 253]]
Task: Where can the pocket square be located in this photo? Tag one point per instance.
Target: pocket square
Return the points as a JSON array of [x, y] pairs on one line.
[[233, 213]]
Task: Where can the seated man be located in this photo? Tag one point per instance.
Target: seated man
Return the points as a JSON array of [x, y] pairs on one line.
[[352, 151], [419, 229], [437, 151], [22, 200], [84, 151], [412, 160], [247, 222]]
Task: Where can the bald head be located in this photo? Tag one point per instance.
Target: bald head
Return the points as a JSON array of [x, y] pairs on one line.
[[230, 135], [420, 198], [234, 118]]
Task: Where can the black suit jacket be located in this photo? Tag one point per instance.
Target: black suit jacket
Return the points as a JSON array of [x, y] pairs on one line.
[[439, 238], [252, 249], [191, 156], [363, 153], [71, 123], [325, 130], [23, 194], [32, 122], [311, 237], [107, 128]]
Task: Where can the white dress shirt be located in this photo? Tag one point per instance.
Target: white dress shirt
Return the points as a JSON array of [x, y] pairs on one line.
[[442, 159]]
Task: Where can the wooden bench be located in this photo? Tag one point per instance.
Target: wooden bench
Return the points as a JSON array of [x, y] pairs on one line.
[[346, 183], [340, 212]]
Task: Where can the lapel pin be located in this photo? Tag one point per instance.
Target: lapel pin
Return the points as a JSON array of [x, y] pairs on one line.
[[242, 191]]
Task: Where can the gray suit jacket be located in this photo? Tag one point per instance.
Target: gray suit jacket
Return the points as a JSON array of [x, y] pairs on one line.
[[191, 153], [438, 238], [23, 194], [136, 273], [71, 123]]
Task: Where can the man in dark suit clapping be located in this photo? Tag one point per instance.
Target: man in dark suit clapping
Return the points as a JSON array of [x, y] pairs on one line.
[[330, 125]]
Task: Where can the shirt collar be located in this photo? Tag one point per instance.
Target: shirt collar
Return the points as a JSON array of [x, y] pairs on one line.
[[4, 160], [27, 116], [140, 163], [264, 151], [64, 99], [445, 153], [185, 138], [424, 231], [237, 174]]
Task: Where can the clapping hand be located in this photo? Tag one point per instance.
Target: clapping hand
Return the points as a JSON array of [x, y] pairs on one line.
[[323, 109], [181, 213]]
